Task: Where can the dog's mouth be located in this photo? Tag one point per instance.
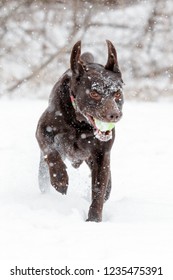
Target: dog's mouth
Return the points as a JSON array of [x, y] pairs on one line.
[[102, 130]]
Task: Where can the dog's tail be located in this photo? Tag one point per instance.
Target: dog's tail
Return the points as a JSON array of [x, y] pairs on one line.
[[87, 57]]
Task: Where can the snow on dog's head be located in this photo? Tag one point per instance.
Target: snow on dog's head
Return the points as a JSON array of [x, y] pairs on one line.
[[97, 90]]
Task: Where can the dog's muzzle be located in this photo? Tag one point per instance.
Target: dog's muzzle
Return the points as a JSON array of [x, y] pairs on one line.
[[102, 130]]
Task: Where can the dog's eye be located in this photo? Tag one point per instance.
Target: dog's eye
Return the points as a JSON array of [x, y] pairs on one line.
[[95, 95], [117, 95]]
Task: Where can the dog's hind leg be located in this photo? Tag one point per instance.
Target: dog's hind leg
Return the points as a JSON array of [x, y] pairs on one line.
[[43, 175], [76, 163]]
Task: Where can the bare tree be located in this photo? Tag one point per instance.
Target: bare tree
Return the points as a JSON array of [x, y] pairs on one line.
[[36, 38]]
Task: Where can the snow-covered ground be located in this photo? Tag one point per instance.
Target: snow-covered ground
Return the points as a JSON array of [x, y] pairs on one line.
[[138, 218]]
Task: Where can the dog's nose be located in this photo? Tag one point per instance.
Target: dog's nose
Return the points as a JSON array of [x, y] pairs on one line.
[[113, 116]]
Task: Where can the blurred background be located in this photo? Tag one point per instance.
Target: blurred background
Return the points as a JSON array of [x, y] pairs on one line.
[[36, 38]]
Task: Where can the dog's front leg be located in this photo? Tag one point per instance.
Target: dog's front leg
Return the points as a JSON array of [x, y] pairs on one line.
[[58, 173], [100, 178], [57, 168]]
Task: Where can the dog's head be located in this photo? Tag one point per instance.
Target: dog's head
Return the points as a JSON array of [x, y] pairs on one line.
[[97, 90]]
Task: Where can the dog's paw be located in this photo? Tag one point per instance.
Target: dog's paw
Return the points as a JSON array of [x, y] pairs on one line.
[[93, 219], [59, 181], [94, 216]]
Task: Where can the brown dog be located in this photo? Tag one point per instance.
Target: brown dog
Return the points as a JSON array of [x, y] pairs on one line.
[[78, 124]]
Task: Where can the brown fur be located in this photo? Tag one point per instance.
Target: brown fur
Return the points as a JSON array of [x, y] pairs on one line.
[[86, 91]]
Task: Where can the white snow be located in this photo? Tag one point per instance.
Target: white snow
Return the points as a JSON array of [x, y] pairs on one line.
[[138, 218], [140, 31]]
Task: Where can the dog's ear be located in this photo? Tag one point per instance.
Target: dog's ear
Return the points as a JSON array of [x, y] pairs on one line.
[[112, 62], [77, 65]]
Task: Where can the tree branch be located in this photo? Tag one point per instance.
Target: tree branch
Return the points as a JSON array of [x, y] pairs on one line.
[[37, 70]]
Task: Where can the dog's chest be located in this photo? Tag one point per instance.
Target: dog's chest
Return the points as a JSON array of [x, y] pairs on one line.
[[74, 147]]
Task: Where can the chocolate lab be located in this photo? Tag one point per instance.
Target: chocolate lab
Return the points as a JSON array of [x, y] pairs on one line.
[[79, 123]]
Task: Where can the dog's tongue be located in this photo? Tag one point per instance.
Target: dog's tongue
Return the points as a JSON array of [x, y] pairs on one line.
[[103, 130]]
